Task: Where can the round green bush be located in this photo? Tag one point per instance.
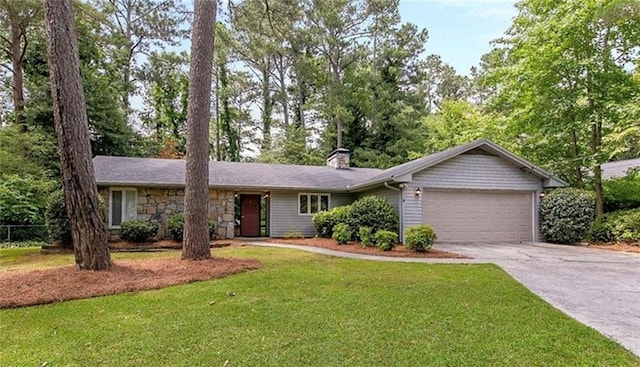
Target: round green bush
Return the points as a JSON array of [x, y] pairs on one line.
[[373, 212], [175, 225], [386, 240], [341, 233], [137, 230], [624, 225], [566, 215], [366, 237], [419, 238], [323, 222]]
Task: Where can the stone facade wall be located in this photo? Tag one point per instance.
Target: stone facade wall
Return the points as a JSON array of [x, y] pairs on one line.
[[157, 205]]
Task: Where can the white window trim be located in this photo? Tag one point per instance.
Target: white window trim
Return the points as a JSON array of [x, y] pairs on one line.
[[308, 195], [123, 189]]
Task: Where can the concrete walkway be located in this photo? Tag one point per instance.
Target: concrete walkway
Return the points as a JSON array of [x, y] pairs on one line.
[[599, 288]]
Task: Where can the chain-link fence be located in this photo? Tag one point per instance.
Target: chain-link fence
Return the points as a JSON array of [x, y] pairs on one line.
[[18, 233]]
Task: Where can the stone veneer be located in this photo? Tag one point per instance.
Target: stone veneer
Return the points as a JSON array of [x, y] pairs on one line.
[[157, 205]]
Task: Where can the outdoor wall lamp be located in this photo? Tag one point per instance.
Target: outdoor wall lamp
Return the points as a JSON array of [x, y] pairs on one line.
[[542, 195], [418, 192]]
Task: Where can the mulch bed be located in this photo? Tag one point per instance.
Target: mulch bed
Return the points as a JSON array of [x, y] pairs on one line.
[[355, 247], [34, 287], [625, 247]]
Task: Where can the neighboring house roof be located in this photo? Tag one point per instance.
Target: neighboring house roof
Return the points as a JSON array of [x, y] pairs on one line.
[[403, 172], [154, 172], [619, 168]]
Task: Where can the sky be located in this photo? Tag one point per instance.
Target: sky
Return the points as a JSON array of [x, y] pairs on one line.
[[460, 31]]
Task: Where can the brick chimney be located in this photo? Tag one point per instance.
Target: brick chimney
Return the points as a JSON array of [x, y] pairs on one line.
[[339, 158]]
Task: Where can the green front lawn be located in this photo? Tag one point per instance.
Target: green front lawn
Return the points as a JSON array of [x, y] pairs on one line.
[[304, 309]]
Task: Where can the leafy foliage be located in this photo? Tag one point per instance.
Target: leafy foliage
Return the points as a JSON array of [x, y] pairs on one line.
[[293, 234], [419, 238], [57, 220], [175, 225], [622, 193], [600, 231], [386, 240], [137, 230], [23, 199], [373, 212], [341, 233], [366, 236], [624, 225], [566, 215], [323, 222]]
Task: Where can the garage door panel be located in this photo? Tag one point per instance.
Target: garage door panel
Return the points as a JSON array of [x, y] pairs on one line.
[[475, 215]]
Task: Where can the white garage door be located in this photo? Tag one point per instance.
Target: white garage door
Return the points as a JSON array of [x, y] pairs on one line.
[[471, 216]]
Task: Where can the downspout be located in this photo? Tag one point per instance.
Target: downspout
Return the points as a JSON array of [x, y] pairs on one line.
[[401, 229]]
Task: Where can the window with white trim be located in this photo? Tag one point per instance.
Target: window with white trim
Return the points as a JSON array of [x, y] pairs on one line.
[[312, 203], [122, 206]]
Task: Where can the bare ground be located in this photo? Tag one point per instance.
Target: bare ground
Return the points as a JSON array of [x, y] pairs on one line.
[[356, 247], [34, 287]]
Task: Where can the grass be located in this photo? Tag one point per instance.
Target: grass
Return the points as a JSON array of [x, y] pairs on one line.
[[304, 309]]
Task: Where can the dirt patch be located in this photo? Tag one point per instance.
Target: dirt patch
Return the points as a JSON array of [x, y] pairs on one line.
[[34, 287], [356, 247], [626, 247]]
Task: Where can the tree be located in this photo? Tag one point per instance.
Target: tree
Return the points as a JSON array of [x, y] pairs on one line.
[[72, 131], [568, 71], [139, 26], [18, 17], [196, 197]]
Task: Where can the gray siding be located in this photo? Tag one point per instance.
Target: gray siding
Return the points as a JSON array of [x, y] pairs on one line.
[[466, 171], [284, 215]]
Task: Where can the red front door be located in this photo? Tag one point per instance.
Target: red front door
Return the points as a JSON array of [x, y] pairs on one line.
[[250, 215]]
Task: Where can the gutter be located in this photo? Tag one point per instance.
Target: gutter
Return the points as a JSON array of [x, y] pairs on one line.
[[400, 206]]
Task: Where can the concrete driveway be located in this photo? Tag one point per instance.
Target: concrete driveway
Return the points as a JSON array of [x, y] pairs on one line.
[[599, 288]]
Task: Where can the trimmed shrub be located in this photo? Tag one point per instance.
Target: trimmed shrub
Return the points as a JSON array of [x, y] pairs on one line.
[[566, 215], [323, 222], [622, 193], [57, 220], [137, 230], [419, 238], [366, 237], [624, 225], [341, 233], [386, 240], [175, 226], [373, 212]]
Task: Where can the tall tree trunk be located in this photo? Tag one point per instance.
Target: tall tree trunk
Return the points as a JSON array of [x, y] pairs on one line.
[[72, 132], [267, 107], [18, 84], [196, 195], [576, 162], [284, 96]]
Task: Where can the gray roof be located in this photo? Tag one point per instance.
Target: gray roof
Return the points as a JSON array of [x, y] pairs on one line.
[[400, 173], [619, 168], [154, 172]]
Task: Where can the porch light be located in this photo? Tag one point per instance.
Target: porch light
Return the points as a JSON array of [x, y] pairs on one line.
[[542, 195], [418, 192]]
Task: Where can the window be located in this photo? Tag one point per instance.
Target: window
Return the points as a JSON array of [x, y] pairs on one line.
[[312, 203], [122, 206]]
